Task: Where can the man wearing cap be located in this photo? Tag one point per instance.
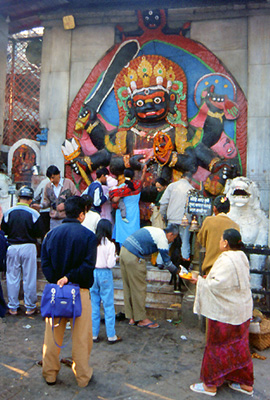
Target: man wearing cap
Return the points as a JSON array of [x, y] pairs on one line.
[[22, 225]]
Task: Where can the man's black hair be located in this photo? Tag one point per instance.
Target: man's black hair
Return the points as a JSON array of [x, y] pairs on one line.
[[74, 206], [172, 228], [102, 171], [52, 170]]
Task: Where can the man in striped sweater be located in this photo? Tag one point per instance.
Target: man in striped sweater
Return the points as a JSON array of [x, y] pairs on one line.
[[145, 241]]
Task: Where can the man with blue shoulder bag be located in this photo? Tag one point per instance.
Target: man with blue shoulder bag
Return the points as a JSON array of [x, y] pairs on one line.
[[68, 255]]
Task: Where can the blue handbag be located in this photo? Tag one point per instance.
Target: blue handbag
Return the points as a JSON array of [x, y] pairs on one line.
[[61, 302]]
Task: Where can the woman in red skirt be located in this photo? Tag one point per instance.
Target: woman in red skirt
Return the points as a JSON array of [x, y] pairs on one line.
[[225, 298]]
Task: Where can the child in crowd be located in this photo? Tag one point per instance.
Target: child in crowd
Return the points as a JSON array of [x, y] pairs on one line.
[[102, 289], [91, 217], [128, 188]]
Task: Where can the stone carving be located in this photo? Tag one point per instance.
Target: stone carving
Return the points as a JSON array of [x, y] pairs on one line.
[[246, 211], [140, 105], [24, 159], [216, 152]]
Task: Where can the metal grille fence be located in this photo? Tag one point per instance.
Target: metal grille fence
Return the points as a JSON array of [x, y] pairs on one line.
[[22, 86]]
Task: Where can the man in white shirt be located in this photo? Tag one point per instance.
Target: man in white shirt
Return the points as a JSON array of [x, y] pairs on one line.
[[172, 208], [55, 193]]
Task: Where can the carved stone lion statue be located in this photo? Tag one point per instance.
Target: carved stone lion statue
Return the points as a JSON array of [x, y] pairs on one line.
[[246, 211]]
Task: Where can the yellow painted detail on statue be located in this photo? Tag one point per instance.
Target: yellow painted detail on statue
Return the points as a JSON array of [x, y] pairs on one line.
[[120, 147], [88, 162]]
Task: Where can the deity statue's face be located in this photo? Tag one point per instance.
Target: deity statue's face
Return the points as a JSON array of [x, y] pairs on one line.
[[151, 18], [150, 105]]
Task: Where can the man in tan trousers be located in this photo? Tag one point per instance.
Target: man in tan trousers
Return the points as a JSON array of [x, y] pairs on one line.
[[68, 254]]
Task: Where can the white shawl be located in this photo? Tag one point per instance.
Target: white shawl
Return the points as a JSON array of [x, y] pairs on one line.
[[225, 294]]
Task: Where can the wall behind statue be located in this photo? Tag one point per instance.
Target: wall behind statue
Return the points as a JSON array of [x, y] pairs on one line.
[[240, 43]]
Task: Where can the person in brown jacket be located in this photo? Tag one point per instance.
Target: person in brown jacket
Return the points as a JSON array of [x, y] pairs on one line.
[[55, 193], [212, 230]]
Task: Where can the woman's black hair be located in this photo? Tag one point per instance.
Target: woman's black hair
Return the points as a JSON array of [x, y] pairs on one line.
[[233, 238], [222, 204], [88, 201], [162, 181], [129, 173], [104, 230]]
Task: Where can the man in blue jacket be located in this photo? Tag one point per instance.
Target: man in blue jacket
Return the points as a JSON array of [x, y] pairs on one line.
[[68, 254]]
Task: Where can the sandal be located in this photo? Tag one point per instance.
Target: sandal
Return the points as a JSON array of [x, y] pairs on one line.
[[199, 388], [237, 387], [149, 326], [67, 361]]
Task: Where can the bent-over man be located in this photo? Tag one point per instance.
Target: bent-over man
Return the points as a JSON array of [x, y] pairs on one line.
[[143, 242], [68, 254]]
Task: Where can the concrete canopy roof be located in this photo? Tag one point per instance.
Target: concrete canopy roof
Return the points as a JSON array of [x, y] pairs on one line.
[[27, 14]]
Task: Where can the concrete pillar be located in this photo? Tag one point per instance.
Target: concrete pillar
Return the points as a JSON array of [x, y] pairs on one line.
[[3, 71], [54, 91], [67, 59], [258, 167]]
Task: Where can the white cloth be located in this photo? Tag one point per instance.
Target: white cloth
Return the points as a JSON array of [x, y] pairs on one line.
[[91, 220], [225, 294], [57, 189], [39, 193], [173, 201], [106, 254]]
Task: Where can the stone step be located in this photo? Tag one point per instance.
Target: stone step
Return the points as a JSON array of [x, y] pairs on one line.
[[155, 293], [153, 273], [155, 311], [161, 300]]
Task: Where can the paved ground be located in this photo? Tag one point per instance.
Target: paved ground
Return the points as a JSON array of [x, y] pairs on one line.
[[148, 364]]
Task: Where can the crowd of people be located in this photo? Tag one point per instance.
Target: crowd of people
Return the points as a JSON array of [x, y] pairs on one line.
[[88, 230]]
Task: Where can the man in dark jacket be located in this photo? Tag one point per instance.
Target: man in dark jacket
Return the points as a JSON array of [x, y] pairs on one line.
[[22, 225], [68, 254]]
